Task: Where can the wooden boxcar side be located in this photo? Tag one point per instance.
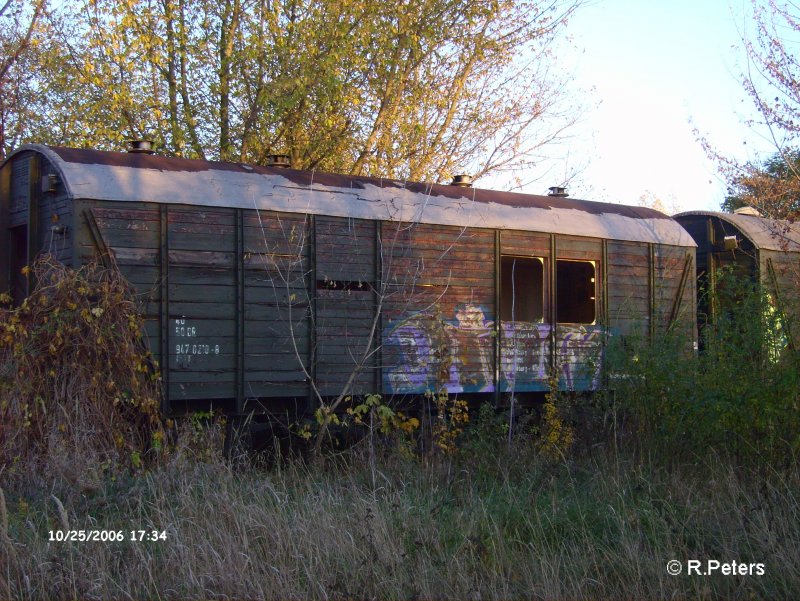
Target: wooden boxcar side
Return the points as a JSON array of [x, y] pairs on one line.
[[265, 287]]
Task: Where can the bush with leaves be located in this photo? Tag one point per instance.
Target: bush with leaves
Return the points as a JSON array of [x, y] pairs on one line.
[[740, 394], [79, 394]]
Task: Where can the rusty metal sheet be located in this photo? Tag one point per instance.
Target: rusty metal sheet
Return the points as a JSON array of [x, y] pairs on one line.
[[121, 176]]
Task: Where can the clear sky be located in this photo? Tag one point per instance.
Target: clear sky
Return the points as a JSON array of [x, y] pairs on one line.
[[650, 72]]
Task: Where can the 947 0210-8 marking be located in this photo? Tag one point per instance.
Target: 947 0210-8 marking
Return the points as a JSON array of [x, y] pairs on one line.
[[185, 349]]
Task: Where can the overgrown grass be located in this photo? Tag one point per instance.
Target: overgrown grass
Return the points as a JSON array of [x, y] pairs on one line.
[[513, 526]]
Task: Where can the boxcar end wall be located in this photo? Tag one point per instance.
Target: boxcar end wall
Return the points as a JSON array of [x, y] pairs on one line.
[[753, 247]]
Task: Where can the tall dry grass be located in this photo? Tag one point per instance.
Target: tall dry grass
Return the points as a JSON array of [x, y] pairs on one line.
[[514, 527]]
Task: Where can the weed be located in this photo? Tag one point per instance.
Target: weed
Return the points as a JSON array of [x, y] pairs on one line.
[[557, 433], [451, 415], [79, 393], [603, 527]]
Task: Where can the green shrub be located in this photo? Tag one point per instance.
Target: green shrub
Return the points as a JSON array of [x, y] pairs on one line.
[[739, 394]]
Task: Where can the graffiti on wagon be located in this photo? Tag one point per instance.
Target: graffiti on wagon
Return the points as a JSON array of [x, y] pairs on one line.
[[425, 351]]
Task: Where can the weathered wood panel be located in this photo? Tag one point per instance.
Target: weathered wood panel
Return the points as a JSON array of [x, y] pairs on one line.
[[436, 285], [20, 190], [202, 293], [780, 273], [525, 350], [55, 216], [674, 293], [277, 304], [344, 322], [524, 244], [628, 288], [578, 346], [345, 305], [588, 249], [439, 309], [345, 249], [579, 355]]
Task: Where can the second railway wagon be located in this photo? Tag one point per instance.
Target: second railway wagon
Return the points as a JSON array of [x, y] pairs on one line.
[[263, 286], [763, 250]]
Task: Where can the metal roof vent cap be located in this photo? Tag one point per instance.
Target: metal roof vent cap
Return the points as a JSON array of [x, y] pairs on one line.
[[140, 146], [279, 160], [462, 181], [557, 191], [747, 210]]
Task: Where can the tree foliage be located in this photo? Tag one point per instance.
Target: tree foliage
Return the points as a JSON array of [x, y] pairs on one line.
[[772, 80], [18, 23], [772, 187], [417, 89]]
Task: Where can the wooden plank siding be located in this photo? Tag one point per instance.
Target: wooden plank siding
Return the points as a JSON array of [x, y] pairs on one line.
[[201, 290], [525, 350], [628, 293], [245, 304], [439, 308], [19, 190], [578, 346], [346, 286], [524, 244], [277, 305], [675, 278], [37, 210], [201, 344], [55, 231], [780, 273], [312, 287]]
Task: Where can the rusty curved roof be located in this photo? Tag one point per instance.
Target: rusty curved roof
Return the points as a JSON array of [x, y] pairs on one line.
[[123, 176], [769, 234]]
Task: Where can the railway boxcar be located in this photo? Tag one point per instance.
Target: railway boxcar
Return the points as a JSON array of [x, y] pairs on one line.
[[262, 286], [764, 250]]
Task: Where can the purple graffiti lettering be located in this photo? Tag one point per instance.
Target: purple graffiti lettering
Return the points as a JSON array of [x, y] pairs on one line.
[[427, 349]]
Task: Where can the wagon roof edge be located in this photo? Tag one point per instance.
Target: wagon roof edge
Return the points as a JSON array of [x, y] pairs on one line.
[[123, 176]]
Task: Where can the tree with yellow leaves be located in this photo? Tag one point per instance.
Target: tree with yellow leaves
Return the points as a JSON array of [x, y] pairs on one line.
[[417, 89], [18, 22]]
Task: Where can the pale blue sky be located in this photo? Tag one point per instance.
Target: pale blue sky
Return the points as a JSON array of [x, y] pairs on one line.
[[650, 72]]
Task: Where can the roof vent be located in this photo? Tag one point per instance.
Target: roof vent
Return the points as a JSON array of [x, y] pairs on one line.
[[279, 160], [747, 211], [462, 181], [557, 191], [140, 146]]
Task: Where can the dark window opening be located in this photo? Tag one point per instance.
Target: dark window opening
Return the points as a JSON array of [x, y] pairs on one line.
[[575, 285], [18, 258], [521, 289], [353, 286]]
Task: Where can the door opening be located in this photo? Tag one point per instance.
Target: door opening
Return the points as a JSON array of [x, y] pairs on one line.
[[18, 258]]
